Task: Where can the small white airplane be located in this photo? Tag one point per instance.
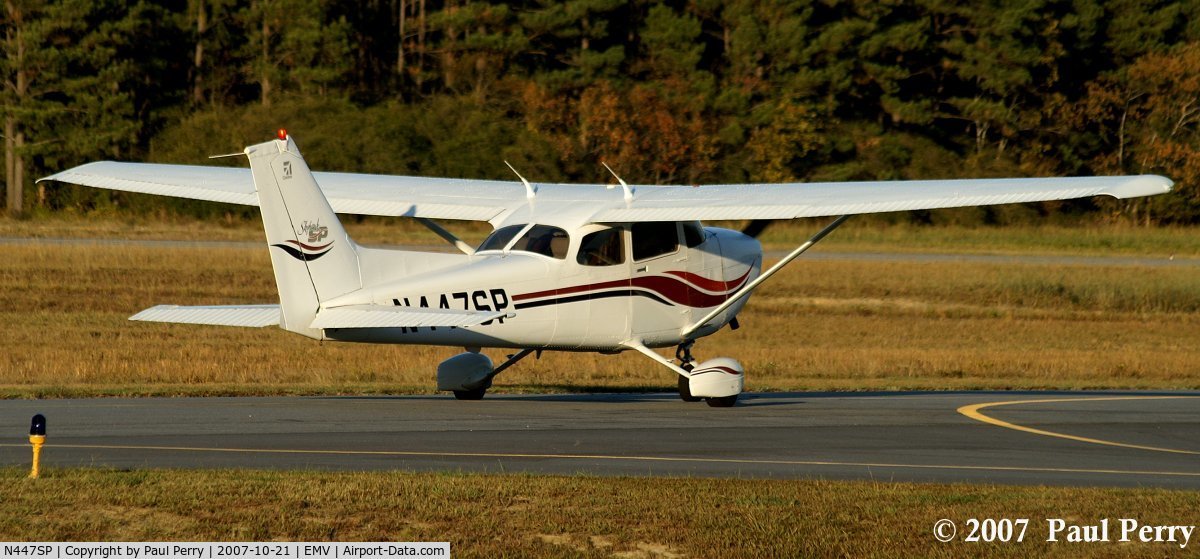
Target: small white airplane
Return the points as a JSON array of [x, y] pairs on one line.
[[568, 267]]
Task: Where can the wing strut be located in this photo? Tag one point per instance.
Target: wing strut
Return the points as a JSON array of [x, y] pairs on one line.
[[746, 289], [448, 236]]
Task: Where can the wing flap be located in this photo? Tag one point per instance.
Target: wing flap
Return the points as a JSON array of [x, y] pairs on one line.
[[253, 316], [383, 316]]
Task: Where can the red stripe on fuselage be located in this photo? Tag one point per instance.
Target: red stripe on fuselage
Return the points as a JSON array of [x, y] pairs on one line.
[[717, 369], [710, 284], [670, 288], [570, 290]]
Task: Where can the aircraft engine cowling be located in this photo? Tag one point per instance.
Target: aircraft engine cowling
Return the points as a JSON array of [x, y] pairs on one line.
[[465, 371], [717, 378]]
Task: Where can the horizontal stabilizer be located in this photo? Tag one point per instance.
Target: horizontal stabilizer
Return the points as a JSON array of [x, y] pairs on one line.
[[382, 316], [254, 316]]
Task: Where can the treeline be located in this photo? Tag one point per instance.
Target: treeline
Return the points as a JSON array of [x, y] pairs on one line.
[[675, 92]]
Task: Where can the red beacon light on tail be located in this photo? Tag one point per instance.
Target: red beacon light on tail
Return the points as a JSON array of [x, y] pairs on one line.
[[282, 134]]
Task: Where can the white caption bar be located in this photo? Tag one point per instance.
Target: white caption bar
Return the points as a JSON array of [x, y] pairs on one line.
[[222, 550]]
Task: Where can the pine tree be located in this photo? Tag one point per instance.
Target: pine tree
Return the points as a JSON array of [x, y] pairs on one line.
[[66, 95]]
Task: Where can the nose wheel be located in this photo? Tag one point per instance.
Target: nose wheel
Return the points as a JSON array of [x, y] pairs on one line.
[[685, 390], [476, 394], [683, 354], [717, 381]]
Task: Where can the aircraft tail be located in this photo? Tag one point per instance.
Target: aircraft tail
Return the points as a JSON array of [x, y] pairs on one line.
[[313, 257]]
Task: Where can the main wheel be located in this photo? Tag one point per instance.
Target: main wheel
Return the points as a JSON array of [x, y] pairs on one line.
[[685, 391], [722, 402], [476, 394]]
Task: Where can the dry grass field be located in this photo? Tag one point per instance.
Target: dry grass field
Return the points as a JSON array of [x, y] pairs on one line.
[[575, 516], [820, 325], [861, 235]]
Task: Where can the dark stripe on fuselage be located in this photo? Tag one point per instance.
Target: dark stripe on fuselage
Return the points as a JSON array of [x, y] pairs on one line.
[[591, 296], [717, 369]]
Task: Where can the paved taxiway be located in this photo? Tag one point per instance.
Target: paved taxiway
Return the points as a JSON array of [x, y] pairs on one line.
[[1081, 438]]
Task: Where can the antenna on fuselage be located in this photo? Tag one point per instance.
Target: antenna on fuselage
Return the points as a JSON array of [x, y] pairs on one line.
[[624, 186], [530, 192]]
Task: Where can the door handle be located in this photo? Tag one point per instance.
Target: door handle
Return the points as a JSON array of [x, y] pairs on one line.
[[643, 268]]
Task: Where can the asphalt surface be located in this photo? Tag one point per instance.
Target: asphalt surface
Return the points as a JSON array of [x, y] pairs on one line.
[[1056, 438]]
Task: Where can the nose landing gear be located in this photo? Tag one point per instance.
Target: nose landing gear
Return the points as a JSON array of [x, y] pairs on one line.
[[683, 354], [716, 381]]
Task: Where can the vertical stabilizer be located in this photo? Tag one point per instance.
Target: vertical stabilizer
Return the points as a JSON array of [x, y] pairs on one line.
[[313, 257]]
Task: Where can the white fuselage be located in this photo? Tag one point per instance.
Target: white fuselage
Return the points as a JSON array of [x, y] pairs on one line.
[[566, 303]]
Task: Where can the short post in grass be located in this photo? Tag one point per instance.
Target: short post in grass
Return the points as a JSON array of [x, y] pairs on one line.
[[37, 437]]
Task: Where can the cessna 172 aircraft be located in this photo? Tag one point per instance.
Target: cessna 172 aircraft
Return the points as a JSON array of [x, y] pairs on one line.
[[571, 267]]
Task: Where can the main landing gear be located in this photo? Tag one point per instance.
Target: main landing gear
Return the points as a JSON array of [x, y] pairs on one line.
[[469, 375]]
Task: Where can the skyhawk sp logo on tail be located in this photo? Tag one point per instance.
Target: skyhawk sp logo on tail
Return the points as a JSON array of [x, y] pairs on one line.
[[308, 251]]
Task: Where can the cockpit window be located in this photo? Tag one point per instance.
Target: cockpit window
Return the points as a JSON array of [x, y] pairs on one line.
[[602, 248], [654, 238], [500, 237], [545, 240]]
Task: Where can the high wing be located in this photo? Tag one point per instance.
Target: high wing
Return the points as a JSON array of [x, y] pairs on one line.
[[351, 193], [795, 200], [483, 200]]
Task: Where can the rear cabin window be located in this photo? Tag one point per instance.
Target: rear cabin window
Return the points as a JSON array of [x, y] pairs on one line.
[[602, 248], [654, 238], [544, 240], [500, 237]]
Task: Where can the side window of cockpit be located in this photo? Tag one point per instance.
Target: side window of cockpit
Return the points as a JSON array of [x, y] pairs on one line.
[[602, 248], [654, 238], [693, 234], [544, 240], [500, 237]]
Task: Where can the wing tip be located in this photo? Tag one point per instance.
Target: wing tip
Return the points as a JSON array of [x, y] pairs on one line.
[[1140, 185], [64, 175]]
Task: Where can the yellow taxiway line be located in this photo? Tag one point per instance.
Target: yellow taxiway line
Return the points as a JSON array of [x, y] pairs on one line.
[[431, 454], [972, 411]]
